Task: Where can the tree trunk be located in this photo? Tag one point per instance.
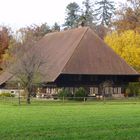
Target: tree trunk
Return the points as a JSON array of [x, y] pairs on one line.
[[28, 99], [28, 96]]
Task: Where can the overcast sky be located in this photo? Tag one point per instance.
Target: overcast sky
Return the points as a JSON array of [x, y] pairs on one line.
[[20, 13]]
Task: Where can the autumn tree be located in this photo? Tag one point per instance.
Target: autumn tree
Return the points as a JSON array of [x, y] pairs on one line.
[[127, 45], [9, 54], [35, 31], [5, 37], [26, 58], [72, 15], [128, 17], [22, 35], [101, 31]]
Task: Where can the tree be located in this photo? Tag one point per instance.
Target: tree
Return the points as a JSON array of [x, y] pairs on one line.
[[103, 85], [26, 59], [127, 45], [105, 10], [56, 27], [133, 89], [36, 31], [41, 30], [5, 37], [128, 17], [101, 31], [87, 13], [80, 94], [72, 15], [27, 67], [9, 54], [135, 4]]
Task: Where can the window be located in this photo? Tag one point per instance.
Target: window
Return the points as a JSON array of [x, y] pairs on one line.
[[93, 91], [119, 90], [115, 90]]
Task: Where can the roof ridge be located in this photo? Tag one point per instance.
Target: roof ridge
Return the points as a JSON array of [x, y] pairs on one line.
[[63, 31], [87, 28]]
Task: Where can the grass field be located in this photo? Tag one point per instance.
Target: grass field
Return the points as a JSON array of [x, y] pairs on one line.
[[70, 121]]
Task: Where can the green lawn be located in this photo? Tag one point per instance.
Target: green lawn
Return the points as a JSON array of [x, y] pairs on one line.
[[70, 121]]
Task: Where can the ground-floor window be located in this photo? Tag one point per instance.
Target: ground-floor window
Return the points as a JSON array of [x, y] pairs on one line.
[[117, 90], [107, 90], [93, 91]]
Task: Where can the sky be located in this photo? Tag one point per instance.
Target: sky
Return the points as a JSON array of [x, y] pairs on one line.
[[22, 13]]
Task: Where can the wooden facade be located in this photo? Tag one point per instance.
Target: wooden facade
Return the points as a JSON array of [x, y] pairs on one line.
[[115, 84]]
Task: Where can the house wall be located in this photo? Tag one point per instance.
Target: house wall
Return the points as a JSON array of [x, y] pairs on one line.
[[92, 91]]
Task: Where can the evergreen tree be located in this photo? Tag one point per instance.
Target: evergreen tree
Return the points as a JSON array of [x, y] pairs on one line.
[[104, 11], [87, 13], [56, 27], [72, 15]]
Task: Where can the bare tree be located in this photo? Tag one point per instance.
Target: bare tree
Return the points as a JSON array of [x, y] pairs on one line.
[[104, 85], [27, 65]]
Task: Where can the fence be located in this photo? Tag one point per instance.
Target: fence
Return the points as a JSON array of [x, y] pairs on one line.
[[37, 101]]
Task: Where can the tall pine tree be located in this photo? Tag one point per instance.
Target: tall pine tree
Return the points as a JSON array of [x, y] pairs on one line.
[[104, 12], [87, 13], [72, 15]]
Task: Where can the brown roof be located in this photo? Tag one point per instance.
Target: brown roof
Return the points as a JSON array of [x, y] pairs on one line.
[[93, 56], [5, 77], [79, 51]]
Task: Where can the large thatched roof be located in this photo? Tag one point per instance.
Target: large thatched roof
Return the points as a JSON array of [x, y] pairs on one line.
[[79, 51]]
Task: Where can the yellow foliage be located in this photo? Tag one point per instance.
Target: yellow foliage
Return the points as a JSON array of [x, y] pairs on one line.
[[127, 45], [8, 55]]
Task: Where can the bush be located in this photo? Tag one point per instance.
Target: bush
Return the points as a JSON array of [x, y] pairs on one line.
[[80, 94], [133, 89], [65, 93], [7, 95]]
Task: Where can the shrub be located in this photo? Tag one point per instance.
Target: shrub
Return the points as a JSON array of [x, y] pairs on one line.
[[80, 94], [133, 89], [7, 95], [65, 93]]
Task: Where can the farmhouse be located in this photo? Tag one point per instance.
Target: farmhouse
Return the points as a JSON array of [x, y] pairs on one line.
[[79, 58]]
